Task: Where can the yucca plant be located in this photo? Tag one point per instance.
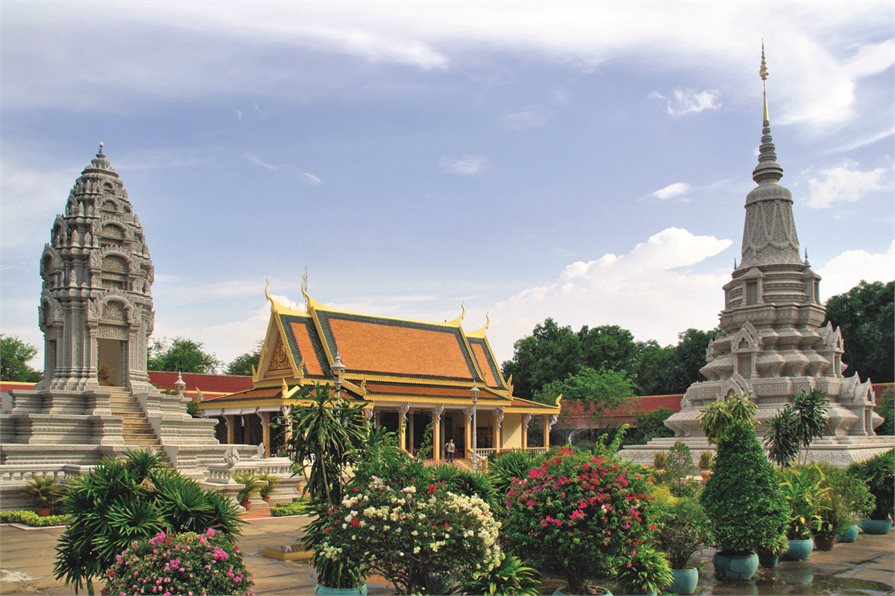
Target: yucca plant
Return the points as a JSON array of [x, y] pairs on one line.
[[511, 578], [647, 571], [130, 498], [251, 483], [45, 491]]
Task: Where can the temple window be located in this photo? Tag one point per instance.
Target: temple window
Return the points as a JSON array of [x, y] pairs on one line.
[[751, 293], [744, 365]]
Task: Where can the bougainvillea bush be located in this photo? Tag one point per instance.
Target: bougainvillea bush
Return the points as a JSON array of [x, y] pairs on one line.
[[185, 563], [413, 536], [578, 515]]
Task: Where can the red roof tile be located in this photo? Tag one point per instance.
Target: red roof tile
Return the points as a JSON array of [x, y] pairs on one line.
[[210, 383]]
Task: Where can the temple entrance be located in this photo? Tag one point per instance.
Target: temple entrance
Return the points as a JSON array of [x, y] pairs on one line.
[[110, 362]]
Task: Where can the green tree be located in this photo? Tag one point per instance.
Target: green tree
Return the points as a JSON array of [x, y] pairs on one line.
[[550, 353], [721, 413], [242, 365], [606, 389], [608, 346], [690, 355], [651, 425], [657, 370], [14, 357], [182, 355], [866, 316], [886, 409]]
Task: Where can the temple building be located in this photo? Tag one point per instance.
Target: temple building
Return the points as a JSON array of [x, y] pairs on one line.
[[96, 314], [773, 344], [406, 374]]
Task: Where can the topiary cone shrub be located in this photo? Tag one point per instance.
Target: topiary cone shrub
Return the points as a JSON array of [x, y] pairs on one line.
[[742, 498], [577, 515]]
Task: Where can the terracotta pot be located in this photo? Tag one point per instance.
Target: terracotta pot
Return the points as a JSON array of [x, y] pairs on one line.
[[247, 505], [824, 541], [42, 511], [706, 474]]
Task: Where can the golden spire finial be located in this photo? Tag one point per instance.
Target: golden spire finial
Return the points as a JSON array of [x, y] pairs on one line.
[[267, 291], [487, 321], [763, 73]]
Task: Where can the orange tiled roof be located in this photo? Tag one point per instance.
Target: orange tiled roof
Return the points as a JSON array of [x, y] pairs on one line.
[[428, 391], [249, 394], [486, 362], [302, 339], [374, 345]]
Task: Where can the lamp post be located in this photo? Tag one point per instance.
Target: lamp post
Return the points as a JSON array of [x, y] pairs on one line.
[[338, 369], [474, 391]]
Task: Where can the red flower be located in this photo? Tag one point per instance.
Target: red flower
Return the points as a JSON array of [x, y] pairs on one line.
[[355, 522]]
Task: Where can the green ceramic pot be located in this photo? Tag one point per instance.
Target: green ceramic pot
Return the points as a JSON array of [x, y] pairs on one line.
[[730, 567], [876, 526], [848, 535], [324, 591], [685, 580], [768, 560], [559, 592], [799, 550]]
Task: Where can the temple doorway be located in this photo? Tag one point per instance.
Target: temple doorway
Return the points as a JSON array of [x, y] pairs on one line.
[[110, 362]]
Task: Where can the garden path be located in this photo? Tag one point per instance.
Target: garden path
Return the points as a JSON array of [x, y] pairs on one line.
[[26, 564]]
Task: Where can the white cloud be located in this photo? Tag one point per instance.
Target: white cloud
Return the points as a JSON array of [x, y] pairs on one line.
[[672, 190], [688, 101], [817, 51], [468, 165], [238, 114], [844, 271], [863, 142], [312, 179], [650, 291], [844, 182], [255, 160], [528, 118]]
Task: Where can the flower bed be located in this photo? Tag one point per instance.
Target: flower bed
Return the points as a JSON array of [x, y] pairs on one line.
[[29, 518], [206, 563]]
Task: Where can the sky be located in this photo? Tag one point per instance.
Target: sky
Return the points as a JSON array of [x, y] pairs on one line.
[[582, 161]]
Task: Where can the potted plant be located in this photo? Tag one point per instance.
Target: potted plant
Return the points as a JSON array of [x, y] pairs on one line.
[[679, 467], [743, 502], [45, 491], [646, 572], [805, 494], [511, 577], [683, 531], [769, 555], [251, 485], [576, 515], [706, 459], [850, 499], [879, 474], [270, 484]]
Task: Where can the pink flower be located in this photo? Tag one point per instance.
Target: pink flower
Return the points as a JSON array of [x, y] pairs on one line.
[[219, 554], [210, 532]]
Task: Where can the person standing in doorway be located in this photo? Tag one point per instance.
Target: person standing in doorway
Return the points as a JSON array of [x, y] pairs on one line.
[[449, 449]]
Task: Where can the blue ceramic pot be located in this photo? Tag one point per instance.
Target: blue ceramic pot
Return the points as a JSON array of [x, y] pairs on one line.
[[799, 550], [848, 535], [685, 580], [730, 567], [324, 591], [876, 526]]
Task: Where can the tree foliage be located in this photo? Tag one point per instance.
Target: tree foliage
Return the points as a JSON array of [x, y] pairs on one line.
[[607, 389], [886, 409], [242, 364], [720, 414], [651, 425], [182, 355], [552, 353], [866, 316], [14, 357]]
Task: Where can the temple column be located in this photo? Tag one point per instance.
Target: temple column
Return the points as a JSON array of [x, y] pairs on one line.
[[265, 432], [402, 426], [498, 425], [410, 431], [231, 420], [545, 424], [436, 433], [526, 420], [287, 427]]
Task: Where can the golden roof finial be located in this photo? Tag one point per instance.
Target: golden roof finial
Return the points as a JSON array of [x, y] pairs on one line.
[[267, 291], [763, 73], [459, 319], [304, 288]]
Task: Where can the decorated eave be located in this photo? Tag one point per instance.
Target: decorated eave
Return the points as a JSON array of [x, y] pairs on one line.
[[388, 361]]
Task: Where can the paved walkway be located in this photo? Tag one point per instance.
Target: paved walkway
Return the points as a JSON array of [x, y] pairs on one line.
[[865, 567]]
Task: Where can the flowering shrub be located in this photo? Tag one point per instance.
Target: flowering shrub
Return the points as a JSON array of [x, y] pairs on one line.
[[577, 514], [185, 563], [412, 536]]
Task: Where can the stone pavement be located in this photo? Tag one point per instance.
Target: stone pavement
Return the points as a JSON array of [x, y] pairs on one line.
[[865, 567]]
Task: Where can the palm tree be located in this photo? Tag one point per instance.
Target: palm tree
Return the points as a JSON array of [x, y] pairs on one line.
[[326, 435], [719, 414]]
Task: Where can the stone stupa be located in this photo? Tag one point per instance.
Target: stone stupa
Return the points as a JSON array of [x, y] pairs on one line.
[[96, 314], [773, 343]]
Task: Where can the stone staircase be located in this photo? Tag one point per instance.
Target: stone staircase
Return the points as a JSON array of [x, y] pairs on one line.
[[135, 427]]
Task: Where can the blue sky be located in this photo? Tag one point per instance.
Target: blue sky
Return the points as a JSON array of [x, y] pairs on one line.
[[587, 162]]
